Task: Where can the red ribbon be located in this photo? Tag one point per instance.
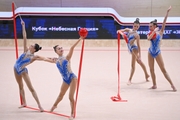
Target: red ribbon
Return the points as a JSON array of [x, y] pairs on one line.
[[79, 75]]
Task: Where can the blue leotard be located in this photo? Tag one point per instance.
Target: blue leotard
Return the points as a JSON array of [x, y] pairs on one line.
[[63, 66], [154, 49], [22, 61], [131, 37]]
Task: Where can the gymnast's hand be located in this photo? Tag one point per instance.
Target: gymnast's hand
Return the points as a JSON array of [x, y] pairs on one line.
[[117, 31], [53, 59], [138, 58], [120, 32], [82, 37], [22, 22], [156, 29], [169, 9]]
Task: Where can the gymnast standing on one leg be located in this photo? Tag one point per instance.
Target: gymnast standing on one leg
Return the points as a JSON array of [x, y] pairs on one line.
[[135, 50], [154, 51], [20, 70], [69, 78]]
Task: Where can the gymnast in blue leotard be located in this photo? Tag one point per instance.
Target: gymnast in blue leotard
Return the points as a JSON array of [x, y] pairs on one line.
[[69, 78], [154, 51], [64, 68], [20, 70], [134, 49], [131, 37], [23, 61]]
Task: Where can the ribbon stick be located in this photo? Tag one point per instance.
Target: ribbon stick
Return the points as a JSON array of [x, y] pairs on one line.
[[18, 13]]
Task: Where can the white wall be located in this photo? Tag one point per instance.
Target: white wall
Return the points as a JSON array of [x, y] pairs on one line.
[[126, 8]]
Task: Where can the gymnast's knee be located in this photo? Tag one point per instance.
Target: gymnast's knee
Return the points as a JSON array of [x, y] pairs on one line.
[[71, 98], [163, 70], [152, 70], [61, 94], [21, 87], [139, 61], [133, 67], [32, 90]]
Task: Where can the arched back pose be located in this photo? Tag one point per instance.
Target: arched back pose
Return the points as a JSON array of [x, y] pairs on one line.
[[134, 49], [20, 70], [69, 78], [154, 51]]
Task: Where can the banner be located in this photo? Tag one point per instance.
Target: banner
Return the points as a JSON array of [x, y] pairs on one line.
[[67, 27]]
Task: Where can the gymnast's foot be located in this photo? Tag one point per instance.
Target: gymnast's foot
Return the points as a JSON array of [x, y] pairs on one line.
[[154, 87], [129, 82], [174, 89], [22, 106], [147, 76], [40, 108], [71, 117], [52, 109]]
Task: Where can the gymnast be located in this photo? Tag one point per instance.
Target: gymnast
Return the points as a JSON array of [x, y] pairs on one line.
[[154, 53], [134, 49], [69, 78], [20, 70]]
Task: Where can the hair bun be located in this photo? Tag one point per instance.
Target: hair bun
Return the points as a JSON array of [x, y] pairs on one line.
[[155, 20], [137, 19], [40, 48]]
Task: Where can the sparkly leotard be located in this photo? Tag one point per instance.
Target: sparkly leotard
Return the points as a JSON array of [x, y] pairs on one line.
[[22, 61], [63, 66], [154, 49], [131, 37]]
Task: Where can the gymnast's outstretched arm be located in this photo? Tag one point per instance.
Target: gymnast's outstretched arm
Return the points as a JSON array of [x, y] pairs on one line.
[[164, 22], [46, 59], [123, 30], [24, 36], [68, 57]]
